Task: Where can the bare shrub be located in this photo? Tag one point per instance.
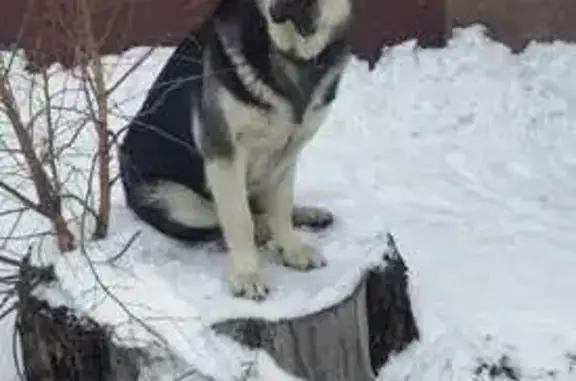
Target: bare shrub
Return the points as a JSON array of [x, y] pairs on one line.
[[56, 143]]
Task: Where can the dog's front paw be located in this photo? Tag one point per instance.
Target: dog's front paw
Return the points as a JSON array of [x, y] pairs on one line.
[[245, 280], [301, 255]]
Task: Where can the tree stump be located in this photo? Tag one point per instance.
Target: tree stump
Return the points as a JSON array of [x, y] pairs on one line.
[[348, 340]]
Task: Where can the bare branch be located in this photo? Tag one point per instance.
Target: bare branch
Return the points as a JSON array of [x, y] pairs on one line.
[[130, 71], [12, 211], [8, 310], [103, 151], [23, 199], [44, 190], [82, 202], [125, 249], [9, 261], [13, 228], [28, 237], [49, 203], [51, 133]]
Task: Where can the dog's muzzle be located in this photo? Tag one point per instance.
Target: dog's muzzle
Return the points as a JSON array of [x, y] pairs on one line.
[[301, 13]]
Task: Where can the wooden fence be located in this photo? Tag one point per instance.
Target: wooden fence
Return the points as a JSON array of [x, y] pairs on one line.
[[47, 29]]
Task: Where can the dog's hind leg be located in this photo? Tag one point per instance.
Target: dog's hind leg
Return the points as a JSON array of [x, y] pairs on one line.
[[227, 179], [313, 217], [262, 233]]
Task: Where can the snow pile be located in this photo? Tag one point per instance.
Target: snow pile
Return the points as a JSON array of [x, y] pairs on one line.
[[467, 155]]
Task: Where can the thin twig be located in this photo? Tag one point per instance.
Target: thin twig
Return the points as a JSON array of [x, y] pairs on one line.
[[125, 249], [16, 348], [9, 295], [9, 261], [82, 202], [13, 211], [13, 229], [8, 311], [50, 131], [23, 199], [130, 71], [27, 237]]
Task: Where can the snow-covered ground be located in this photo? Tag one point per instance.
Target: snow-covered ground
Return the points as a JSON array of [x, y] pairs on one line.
[[467, 155]]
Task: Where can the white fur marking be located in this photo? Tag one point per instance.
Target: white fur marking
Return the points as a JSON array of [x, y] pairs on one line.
[[182, 204], [270, 139], [229, 190]]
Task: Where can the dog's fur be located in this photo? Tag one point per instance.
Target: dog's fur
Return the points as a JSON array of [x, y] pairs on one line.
[[215, 145]]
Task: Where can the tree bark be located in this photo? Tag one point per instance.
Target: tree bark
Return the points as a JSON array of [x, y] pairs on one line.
[[58, 345]]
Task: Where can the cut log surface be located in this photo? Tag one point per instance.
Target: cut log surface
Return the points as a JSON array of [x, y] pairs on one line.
[[136, 317]]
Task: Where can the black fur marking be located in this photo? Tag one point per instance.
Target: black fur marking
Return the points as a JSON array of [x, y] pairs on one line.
[[229, 77], [301, 13], [159, 142], [213, 130], [331, 91], [313, 224]]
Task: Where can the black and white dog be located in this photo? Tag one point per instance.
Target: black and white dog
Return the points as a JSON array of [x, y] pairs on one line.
[[214, 148]]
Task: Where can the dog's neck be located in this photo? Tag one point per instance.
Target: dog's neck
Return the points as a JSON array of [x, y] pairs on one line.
[[304, 73], [298, 78], [247, 40]]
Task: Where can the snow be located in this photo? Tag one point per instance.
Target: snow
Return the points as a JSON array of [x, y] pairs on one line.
[[465, 154]]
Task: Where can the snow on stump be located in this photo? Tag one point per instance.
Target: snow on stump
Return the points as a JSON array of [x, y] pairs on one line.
[[124, 319]]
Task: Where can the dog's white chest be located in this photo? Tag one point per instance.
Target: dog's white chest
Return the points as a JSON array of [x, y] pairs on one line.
[[269, 139]]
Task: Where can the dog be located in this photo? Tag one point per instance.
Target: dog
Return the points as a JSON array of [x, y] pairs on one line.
[[214, 148]]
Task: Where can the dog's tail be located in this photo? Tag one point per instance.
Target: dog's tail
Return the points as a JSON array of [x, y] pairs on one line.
[[169, 207]]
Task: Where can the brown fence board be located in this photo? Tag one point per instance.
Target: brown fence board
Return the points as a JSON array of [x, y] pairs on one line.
[[45, 28], [48, 29]]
